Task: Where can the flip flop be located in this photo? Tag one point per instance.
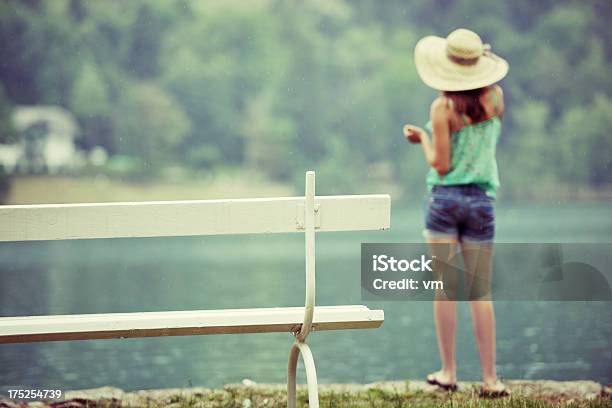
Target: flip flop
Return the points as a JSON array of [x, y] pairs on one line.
[[503, 392], [431, 379]]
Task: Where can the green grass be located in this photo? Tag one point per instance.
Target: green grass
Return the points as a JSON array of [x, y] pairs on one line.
[[240, 397]]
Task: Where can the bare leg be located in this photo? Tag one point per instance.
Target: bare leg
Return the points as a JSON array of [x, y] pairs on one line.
[[445, 315], [478, 267], [483, 318]]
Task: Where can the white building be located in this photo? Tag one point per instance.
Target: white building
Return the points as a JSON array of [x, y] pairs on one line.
[[46, 142]]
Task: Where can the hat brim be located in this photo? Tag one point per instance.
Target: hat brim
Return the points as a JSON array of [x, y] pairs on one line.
[[439, 72]]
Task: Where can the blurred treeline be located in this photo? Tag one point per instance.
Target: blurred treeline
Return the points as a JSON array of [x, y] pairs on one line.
[[276, 87]]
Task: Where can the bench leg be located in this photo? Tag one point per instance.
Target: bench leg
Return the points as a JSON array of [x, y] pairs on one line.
[[311, 375]]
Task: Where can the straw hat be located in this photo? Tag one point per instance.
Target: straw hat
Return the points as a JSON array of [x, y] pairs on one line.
[[459, 62]]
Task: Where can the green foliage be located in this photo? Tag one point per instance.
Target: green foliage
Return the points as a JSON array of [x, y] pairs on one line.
[[585, 142], [529, 151], [215, 67], [278, 87], [89, 93], [7, 131], [7, 135], [151, 125]]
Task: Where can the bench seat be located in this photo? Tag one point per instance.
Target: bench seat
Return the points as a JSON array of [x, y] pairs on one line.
[[27, 329]]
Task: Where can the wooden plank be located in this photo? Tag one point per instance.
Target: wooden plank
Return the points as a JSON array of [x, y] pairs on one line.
[[182, 218], [153, 324]]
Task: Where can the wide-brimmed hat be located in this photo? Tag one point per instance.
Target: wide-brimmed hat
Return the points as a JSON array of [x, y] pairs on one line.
[[459, 62]]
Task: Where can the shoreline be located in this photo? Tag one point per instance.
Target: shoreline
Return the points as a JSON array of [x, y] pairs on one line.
[[75, 188], [382, 394]]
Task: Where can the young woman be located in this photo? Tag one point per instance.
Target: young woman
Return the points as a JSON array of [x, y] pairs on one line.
[[465, 125]]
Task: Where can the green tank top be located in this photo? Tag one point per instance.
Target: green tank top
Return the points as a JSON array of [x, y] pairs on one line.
[[472, 155]]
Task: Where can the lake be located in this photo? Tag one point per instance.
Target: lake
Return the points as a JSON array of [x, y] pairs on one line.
[[536, 340]]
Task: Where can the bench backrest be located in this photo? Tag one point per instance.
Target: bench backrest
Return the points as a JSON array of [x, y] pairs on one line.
[[196, 217]]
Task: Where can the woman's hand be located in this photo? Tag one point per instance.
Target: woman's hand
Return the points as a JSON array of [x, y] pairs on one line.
[[413, 133]]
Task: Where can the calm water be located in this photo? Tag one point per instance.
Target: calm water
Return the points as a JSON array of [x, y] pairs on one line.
[[552, 340]]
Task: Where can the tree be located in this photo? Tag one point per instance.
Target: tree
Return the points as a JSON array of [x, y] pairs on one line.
[[151, 125], [584, 143]]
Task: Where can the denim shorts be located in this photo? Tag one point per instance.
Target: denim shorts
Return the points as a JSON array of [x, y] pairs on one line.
[[461, 212]]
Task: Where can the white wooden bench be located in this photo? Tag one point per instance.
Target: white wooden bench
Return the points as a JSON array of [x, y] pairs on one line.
[[201, 217]]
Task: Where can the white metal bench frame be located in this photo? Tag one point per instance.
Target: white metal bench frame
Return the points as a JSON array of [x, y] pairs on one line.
[[201, 217]]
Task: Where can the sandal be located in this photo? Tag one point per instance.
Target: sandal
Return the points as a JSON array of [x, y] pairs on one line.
[[431, 379], [496, 392]]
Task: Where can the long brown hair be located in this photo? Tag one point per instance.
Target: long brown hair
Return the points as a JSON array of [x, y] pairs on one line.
[[468, 103]]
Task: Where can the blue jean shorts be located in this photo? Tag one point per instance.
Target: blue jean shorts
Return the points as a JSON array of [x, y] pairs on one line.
[[461, 212]]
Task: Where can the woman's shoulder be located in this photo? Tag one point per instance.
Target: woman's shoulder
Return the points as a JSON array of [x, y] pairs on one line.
[[440, 107], [440, 102], [497, 93]]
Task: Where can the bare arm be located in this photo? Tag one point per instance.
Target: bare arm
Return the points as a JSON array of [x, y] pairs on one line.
[[500, 101], [437, 150]]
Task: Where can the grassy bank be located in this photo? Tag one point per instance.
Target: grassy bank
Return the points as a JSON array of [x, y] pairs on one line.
[[525, 394], [63, 189]]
